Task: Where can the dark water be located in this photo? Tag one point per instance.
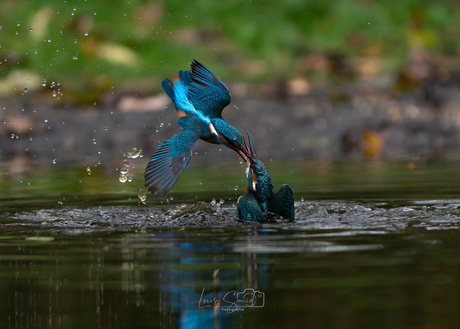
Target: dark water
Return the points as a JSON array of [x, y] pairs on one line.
[[366, 257]]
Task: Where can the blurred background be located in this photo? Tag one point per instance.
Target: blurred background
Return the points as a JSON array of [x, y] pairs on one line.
[[311, 80]]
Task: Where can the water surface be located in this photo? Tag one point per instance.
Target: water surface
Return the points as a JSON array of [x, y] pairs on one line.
[[382, 253]]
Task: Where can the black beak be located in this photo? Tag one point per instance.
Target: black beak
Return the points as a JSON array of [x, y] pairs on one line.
[[251, 148], [243, 152]]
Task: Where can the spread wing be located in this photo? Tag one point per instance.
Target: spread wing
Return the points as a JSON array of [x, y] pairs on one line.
[[172, 157], [208, 94]]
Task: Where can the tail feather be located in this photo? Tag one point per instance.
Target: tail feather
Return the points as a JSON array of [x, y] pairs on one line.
[[168, 88], [185, 77]]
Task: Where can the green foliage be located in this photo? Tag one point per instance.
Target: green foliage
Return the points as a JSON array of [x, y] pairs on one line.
[[131, 42]]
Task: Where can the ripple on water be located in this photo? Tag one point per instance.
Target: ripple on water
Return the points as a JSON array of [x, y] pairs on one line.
[[349, 218]]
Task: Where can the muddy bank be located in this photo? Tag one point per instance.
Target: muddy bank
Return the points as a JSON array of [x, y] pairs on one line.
[[334, 123]]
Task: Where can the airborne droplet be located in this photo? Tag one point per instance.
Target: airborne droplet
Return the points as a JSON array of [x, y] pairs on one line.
[[134, 154], [142, 194]]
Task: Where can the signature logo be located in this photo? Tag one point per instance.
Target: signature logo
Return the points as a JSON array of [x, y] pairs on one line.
[[233, 301]]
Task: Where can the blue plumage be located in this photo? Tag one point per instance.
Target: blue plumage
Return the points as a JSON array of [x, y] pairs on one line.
[[259, 196], [199, 98]]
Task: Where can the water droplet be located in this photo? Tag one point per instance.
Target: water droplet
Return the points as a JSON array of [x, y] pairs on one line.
[[25, 89], [13, 135], [124, 14], [74, 58], [240, 161], [36, 51], [49, 40], [86, 34], [236, 187], [54, 161], [54, 93], [105, 128], [123, 178], [18, 23], [74, 8], [134, 154], [124, 171], [301, 199], [130, 179], [76, 41], [44, 83], [30, 138], [126, 162], [94, 141], [88, 170], [142, 194], [31, 29]]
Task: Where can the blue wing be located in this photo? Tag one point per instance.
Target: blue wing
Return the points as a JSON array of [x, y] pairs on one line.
[[172, 157], [249, 208], [283, 202], [207, 92]]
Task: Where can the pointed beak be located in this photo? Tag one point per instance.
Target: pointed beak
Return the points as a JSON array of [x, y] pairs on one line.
[[242, 150]]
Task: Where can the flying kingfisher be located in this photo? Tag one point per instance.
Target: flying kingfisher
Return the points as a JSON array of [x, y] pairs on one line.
[[259, 196], [199, 98]]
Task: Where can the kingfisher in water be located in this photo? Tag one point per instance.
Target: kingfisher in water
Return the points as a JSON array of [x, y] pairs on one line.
[[259, 196], [199, 98]]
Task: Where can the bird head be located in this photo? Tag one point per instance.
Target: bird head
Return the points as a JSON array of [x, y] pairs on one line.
[[259, 179], [230, 137]]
